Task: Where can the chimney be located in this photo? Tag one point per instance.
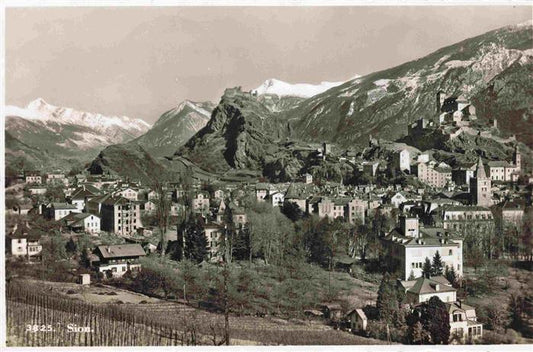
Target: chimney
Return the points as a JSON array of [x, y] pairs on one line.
[[437, 287], [459, 302]]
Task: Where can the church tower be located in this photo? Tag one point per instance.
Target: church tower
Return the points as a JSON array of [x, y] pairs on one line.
[[480, 187], [517, 160]]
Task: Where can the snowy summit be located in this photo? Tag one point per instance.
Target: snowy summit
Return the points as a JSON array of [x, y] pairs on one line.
[[302, 90], [40, 111]]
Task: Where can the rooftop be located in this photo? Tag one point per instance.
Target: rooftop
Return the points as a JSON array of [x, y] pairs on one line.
[[121, 250], [425, 285]]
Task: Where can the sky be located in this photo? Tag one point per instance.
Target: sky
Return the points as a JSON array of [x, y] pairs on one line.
[[142, 61]]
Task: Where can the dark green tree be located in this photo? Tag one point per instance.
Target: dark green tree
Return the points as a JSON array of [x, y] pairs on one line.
[[436, 265], [194, 240], [426, 268], [241, 247], [315, 233], [451, 275], [55, 248], [71, 246], [417, 335], [292, 211], [85, 261], [435, 319], [516, 309], [387, 302]]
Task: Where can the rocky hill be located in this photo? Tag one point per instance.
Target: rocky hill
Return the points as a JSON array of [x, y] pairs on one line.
[[241, 134], [175, 127]]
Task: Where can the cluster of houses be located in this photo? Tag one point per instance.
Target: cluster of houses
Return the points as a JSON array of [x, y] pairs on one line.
[[431, 219]]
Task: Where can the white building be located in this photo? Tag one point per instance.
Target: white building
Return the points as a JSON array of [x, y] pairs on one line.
[[24, 244], [463, 320], [128, 193], [57, 178], [120, 215], [213, 234], [200, 202], [397, 199], [33, 177], [82, 222], [37, 190], [410, 244], [58, 211], [463, 323], [118, 259], [277, 199]]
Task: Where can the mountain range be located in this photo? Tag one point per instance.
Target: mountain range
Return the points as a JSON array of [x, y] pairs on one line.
[[493, 71], [54, 136], [266, 129]]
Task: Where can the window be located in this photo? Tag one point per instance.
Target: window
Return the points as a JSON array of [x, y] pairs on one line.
[[450, 252]]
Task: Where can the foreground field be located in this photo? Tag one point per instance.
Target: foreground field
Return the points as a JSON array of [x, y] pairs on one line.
[[206, 327]]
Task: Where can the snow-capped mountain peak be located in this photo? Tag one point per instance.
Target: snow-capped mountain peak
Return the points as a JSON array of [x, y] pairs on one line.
[[280, 88], [37, 104], [40, 110], [91, 129]]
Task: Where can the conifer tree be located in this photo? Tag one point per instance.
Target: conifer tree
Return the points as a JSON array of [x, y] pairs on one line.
[[451, 275], [195, 241], [387, 301], [437, 266], [426, 268]]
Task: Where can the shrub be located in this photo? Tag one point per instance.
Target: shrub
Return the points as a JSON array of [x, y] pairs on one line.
[[378, 330], [494, 338], [111, 293], [143, 302], [71, 292]]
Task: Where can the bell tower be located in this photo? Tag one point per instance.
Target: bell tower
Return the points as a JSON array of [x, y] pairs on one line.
[[480, 187]]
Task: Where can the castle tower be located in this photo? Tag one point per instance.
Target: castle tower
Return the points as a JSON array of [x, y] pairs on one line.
[[480, 187], [517, 159]]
